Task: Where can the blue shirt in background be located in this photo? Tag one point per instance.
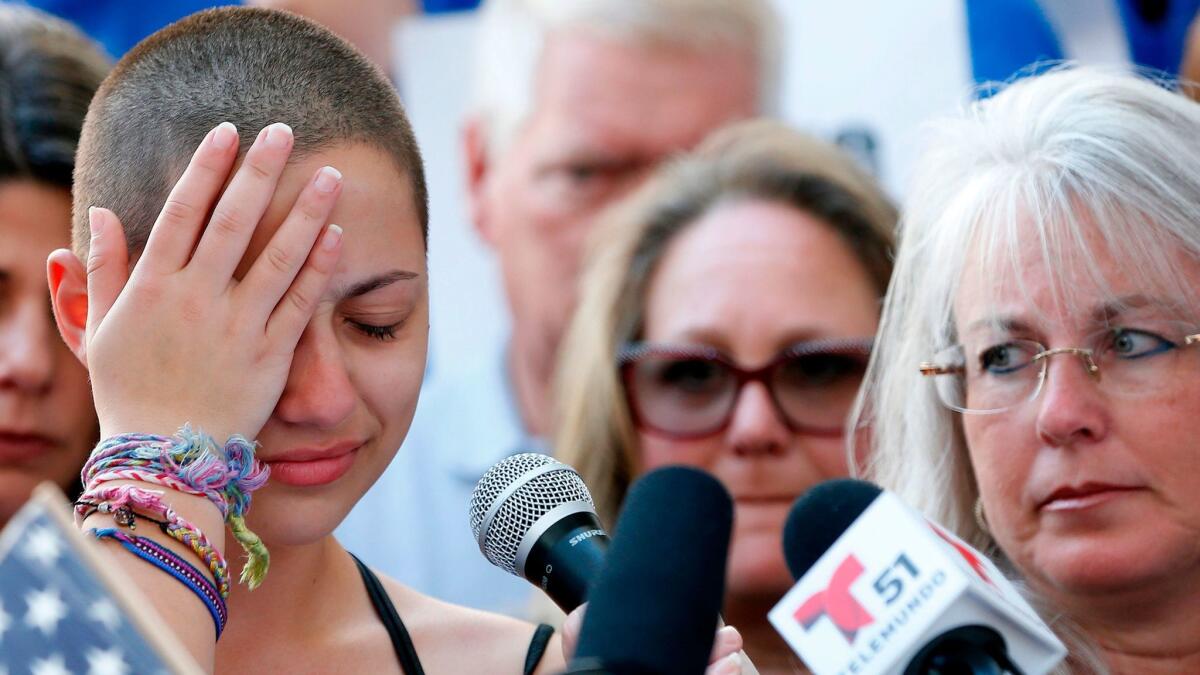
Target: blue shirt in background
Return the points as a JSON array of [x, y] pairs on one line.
[[1007, 37]]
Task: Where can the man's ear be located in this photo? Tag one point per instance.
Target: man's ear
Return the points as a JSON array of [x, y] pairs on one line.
[[477, 161], [68, 296]]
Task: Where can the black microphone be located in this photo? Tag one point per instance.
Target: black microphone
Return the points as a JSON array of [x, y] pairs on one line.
[[654, 608], [880, 589], [532, 516]]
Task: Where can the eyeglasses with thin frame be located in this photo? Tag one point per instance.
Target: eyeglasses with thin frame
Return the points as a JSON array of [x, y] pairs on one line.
[[691, 391], [993, 377]]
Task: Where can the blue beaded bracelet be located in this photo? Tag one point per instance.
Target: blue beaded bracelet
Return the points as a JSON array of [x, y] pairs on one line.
[[167, 561]]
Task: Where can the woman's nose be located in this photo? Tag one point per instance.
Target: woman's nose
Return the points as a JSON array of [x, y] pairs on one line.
[[756, 427], [28, 342], [1070, 406], [319, 391]]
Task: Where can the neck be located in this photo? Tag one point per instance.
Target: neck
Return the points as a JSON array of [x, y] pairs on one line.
[[770, 654], [292, 604], [531, 368], [1141, 631]]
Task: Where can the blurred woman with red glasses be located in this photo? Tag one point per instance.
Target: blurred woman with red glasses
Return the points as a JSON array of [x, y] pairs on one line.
[[725, 321]]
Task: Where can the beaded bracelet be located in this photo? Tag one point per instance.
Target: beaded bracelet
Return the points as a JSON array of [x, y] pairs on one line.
[[167, 561], [191, 462], [120, 500]]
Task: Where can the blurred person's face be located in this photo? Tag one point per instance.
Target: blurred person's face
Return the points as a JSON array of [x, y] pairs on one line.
[[357, 370], [1092, 487], [752, 278], [604, 113], [47, 422]]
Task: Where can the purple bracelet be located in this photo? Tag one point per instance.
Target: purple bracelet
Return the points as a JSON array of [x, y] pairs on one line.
[[183, 571]]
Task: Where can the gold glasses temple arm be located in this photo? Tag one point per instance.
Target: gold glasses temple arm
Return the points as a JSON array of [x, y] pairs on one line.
[[935, 369]]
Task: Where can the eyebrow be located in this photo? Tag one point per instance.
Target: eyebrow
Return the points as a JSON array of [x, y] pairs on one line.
[[1114, 309], [1104, 313], [377, 282], [1005, 323]]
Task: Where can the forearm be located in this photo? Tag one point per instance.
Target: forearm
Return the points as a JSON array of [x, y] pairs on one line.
[[181, 611]]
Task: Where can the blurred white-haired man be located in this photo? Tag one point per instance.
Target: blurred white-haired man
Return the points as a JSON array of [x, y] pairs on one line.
[[575, 102]]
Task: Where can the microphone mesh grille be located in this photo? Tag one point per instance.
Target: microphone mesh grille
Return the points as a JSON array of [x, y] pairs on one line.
[[532, 499]]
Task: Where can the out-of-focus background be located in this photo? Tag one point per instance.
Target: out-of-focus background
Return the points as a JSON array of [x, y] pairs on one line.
[[865, 73]]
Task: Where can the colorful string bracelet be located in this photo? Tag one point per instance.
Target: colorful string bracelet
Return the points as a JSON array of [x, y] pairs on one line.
[[167, 561], [191, 462], [121, 500]]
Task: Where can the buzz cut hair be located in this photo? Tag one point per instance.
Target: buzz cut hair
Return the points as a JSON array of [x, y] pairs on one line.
[[250, 67]]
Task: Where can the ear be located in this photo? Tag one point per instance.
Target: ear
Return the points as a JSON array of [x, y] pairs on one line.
[[68, 296], [478, 168]]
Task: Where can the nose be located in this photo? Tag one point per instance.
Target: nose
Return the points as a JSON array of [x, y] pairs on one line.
[[756, 429], [319, 391], [28, 341], [1071, 406]]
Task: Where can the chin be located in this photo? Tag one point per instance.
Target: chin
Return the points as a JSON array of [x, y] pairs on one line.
[[15, 488], [757, 568], [1104, 565], [287, 516]]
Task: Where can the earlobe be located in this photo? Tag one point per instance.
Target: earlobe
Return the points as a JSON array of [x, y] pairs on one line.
[[477, 163], [68, 296]]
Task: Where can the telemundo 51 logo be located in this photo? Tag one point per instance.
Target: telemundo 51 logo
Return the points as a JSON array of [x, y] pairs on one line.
[[837, 604]]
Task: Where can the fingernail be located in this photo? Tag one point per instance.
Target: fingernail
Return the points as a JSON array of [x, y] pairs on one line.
[[332, 235], [328, 179], [730, 665], [224, 136], [95, 220], [279, 135]]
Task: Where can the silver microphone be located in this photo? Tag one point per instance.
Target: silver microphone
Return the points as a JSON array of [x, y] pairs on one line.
[[533, 517]]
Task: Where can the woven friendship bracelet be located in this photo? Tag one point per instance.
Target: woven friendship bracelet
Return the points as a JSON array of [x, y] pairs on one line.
[[120, 500], [166, 560], [191, 462]]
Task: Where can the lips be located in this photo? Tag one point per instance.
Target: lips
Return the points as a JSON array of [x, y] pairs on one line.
[[1069, 498], [17, 447], [311, 467]]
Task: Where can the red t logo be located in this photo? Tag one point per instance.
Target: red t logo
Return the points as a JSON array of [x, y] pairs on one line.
[[836, 602]]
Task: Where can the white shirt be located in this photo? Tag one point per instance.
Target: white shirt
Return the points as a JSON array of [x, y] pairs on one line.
[[413, 523]]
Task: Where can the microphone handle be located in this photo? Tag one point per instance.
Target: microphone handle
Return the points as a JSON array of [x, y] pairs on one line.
[[966, 650], [566, 558]]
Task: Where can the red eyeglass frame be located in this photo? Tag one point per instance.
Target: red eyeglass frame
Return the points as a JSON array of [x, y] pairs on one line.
[[633, 352]]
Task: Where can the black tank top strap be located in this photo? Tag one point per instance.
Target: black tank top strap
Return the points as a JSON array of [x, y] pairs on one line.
[[537, 647], [401, 642]]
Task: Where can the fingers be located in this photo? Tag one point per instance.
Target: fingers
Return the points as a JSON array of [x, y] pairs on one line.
[[182, 217], [298, 303], [570, 632], [107, 264], [727, 641], [224, 240], [729, 665], [273, 273]]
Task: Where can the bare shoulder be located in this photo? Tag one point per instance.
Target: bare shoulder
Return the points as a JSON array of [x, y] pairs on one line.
[[452, 639]]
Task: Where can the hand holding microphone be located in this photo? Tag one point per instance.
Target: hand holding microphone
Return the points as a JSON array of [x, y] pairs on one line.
[[882, 590]]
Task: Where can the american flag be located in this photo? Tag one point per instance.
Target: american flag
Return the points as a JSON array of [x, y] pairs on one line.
[[59, 614]]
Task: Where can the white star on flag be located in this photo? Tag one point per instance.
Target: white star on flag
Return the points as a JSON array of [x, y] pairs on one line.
[[43, 546], [105, 613], [51, 666], [46, 609], [106, 662]]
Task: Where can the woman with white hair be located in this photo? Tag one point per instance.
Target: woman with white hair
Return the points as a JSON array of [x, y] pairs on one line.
[[1035, 385]]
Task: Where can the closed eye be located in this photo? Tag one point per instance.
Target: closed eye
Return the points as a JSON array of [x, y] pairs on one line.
[[381, 333]]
